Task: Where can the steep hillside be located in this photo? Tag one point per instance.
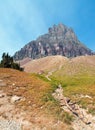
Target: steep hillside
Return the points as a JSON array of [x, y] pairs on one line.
[[77, 76], [24, 61], [60, 97], [26, 102], [46, 64], [60, 40], [77, 66], [62, 65]]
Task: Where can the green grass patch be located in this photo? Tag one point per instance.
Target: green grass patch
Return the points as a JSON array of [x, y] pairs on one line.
[[75, 86]]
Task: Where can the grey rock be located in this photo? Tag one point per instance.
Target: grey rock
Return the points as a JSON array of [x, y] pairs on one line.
[[15, 98], [60, 40], [1, 95]]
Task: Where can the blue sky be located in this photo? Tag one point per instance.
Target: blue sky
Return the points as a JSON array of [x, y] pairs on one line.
[[24, 20]]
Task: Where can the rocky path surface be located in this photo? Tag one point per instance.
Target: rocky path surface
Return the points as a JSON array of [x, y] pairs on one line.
[[15, 118], [83, 121]]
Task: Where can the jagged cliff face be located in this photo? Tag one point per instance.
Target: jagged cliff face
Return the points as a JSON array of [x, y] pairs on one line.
[[60, 40]]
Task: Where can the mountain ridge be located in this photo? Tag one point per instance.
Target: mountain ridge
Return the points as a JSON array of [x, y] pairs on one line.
[[60, 40]]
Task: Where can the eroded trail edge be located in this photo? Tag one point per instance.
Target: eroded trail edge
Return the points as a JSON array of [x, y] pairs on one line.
[[83, 121]]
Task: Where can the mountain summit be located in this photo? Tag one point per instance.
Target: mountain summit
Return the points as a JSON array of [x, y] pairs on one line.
[[60, 40]]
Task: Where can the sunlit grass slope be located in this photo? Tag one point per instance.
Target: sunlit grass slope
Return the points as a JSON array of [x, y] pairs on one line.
[[78, 80]]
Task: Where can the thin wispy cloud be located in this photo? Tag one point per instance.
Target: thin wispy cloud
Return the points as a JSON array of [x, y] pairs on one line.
[[20, 22]]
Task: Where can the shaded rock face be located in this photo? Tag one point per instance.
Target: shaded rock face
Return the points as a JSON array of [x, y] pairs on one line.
[[60, 40]]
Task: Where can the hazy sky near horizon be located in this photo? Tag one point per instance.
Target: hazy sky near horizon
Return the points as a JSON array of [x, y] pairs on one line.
[[22, 21]]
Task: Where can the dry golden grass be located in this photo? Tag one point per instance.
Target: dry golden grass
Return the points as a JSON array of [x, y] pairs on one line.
[[76, 75], [20, 83], [34, 90]]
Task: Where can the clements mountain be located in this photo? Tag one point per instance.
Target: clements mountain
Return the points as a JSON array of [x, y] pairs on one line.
[[60, 40]]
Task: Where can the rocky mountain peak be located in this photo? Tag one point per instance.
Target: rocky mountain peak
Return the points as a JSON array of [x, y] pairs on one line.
[[56, 29], [61, 30], [60, 40]]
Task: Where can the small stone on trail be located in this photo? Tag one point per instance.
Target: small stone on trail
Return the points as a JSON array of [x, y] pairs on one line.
[[15, 99], [2, 95]]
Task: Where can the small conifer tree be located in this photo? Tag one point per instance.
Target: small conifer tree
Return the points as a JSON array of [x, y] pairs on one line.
[[8, 62]]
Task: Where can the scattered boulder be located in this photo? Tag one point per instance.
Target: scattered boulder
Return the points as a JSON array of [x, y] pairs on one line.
[[68, 100], [1, 95], [70, 106], [13, 84], [15, 98]]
